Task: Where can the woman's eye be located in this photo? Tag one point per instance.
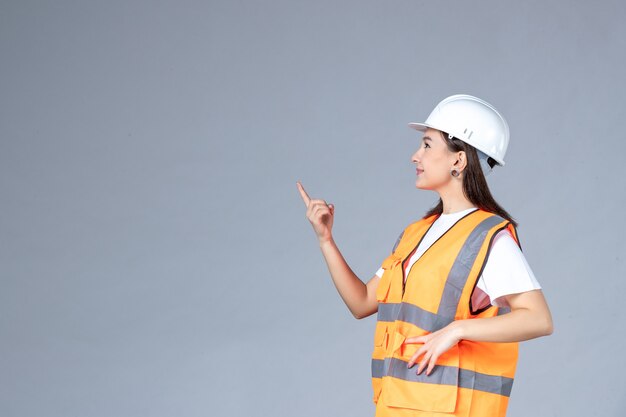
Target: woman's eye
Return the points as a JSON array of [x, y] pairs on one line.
[[426, 145]]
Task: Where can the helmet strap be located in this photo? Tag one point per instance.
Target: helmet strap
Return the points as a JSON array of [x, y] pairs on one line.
[[484, 164]]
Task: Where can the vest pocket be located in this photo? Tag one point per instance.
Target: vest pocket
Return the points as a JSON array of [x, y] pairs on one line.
[[376, 387], [436, 392], [385, 282], [381, 335]]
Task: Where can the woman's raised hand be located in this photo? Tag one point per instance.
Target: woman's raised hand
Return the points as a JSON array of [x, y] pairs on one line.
[[319, 213]]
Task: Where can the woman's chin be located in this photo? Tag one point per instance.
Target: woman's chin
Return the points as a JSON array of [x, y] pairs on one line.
[[420, 185]]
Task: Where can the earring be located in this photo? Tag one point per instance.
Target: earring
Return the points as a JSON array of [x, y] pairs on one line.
[[454, 173]]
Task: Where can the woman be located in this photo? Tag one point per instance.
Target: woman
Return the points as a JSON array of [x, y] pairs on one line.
[[456, 294]]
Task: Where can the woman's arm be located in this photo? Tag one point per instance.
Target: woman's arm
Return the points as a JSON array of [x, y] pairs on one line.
[[529, 318], [359, 297]]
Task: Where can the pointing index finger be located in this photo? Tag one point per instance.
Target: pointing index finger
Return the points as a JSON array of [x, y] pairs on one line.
[[303, 194]]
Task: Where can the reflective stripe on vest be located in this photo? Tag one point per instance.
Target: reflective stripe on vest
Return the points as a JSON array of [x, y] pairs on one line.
[[443, 375], [437, 293]]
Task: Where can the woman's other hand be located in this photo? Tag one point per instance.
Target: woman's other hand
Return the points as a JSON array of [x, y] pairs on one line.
[[435, 344], [319, 213]]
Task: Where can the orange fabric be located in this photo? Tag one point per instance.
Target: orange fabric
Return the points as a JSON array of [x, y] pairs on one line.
[[473, 369]]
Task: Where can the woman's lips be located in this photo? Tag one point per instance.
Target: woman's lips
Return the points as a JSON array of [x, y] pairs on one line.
[[419, 171]]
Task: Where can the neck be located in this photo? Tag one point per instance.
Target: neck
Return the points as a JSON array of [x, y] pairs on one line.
[[454, 200]]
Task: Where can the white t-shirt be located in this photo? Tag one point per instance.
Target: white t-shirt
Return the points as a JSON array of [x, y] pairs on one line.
[[506, 271]]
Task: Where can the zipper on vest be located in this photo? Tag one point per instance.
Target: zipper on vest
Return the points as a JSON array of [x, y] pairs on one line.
[[402, 266], [415, 248], [408, 256]]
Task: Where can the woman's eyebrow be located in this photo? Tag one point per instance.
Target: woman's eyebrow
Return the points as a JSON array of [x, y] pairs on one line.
[[426, 138]]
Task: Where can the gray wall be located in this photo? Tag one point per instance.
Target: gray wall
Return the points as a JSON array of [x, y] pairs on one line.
[[155, 258]]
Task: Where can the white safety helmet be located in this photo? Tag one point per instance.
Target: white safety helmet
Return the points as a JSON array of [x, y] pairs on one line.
[[475, 122]]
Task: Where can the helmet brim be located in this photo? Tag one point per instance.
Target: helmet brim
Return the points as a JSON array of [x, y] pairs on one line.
[[420, 126]]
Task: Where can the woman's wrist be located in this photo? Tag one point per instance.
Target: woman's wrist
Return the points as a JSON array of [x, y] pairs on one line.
[[326, 242], [458, 328]]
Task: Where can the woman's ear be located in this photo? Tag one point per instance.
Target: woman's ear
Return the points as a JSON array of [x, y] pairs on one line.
[[461, 161]]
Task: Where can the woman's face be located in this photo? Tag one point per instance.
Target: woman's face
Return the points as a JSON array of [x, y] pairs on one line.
[[434, 161]]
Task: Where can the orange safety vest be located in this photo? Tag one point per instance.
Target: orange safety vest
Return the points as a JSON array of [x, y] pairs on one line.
[[472, 378]]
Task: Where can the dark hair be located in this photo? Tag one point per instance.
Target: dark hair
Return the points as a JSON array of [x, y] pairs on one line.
[[475, 186]]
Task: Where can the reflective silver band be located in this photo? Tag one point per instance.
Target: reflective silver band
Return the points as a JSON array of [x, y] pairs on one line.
[[445, 375], [413, 314], [459, 273], [494, 384], [388, 311]]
